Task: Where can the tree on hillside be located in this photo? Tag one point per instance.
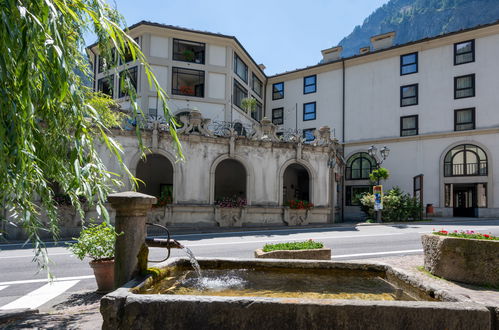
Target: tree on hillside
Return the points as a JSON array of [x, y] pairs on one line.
[[50, 122]]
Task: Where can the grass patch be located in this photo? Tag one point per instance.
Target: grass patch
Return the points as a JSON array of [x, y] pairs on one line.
[[310, 244]]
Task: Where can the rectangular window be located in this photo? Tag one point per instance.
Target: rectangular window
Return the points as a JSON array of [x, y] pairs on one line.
[[309, 111], [278, 116], [256, 85], [308, 134], [103, 64], [106, 85], [187, 82], [464, 52], [409, 125], [188, 51], [354, 194], [409, 95], [408, 64], [240, 68], [278, 91], [464, 119], [464, 86], [128, 79], [310, 84], [239, 94], [128, 57], [258, 113]]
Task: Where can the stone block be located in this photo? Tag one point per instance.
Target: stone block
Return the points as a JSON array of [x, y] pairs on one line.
[[311, 254], [464, 260]]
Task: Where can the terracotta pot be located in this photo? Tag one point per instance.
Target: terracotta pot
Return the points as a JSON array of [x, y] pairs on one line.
[[104, 274]]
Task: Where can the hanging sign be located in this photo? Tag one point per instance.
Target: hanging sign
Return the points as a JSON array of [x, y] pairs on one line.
[[378, 197]]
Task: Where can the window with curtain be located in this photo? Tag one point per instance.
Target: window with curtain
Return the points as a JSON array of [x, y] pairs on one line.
[[359, 166], [409, 125], [464, 86], [465, 160], [464, 52], [240, 68], [464, 119], [409, 95]]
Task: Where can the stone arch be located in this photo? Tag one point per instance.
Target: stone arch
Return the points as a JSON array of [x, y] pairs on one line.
[[137, 159], [248, 172], [312, 177], [488, 179]]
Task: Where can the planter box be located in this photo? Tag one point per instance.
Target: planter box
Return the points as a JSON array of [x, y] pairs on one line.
[[311, 254], [464, 260]]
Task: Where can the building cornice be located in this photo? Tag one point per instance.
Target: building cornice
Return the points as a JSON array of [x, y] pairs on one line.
[[428, 136]]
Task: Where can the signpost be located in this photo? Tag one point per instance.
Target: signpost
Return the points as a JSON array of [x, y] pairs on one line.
[[378, 201]]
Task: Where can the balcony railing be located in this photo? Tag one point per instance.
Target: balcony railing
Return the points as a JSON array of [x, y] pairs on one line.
[[466, 169]]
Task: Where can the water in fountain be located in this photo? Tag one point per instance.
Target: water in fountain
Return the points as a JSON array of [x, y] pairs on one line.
[[194, 262]]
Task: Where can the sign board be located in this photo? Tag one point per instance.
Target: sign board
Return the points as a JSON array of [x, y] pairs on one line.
[[378, 197]]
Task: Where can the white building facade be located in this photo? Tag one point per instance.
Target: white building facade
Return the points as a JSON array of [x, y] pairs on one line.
[[432, 102]]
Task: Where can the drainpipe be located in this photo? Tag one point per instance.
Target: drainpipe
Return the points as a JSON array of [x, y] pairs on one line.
[[343, 141]]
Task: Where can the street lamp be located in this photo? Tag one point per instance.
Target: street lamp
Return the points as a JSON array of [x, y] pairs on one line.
[[378, 158]]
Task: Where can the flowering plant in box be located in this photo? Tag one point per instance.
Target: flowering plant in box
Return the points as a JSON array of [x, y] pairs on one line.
[[298, 204], [231, 202], [470, 234]]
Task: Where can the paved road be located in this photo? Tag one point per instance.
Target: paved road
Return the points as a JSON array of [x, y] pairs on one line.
[[22, 286]]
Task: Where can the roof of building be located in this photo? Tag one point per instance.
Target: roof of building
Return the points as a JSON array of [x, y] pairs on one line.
[[173, 27], [387, 49]]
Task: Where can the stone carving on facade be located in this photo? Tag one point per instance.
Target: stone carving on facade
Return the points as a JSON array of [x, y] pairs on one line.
[[265, 131], [161, 215], [195, 124], [294, 217], [230, 216], [323, 137]]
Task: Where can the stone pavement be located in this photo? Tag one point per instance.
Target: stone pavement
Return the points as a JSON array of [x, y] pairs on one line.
[[81, 310]]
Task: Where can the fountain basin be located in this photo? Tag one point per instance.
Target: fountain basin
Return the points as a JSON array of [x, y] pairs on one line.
[[137, 305]]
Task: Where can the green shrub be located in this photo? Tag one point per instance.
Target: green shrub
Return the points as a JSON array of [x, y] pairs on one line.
[[310, 244], [397, 206], [96, 242], [379, 174]]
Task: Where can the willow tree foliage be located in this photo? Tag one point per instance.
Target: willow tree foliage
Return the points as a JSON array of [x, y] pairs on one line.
[[50, 123]]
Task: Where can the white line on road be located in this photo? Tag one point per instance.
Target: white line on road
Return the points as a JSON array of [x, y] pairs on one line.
[[40, 296], [31, 255], [375, 253], [60, 279], [293, 239], [3, 287]]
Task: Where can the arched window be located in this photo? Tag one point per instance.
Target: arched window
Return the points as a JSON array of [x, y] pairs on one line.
[[465, 160], [359, 166]]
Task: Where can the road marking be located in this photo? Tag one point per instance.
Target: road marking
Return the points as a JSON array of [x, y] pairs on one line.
[[3, 287], [40, 296], [31, 255], [375, 253], [270, 240], [60, 279]]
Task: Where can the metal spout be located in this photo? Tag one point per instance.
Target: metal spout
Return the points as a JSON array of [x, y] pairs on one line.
[[163, 243]]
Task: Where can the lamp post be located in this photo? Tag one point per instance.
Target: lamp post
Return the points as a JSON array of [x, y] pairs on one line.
[[378, 157]]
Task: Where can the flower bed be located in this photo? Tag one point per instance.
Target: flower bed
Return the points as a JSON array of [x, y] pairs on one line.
[[310, 244], [467, 257], [298, 204], [295, 250], [470, 234]]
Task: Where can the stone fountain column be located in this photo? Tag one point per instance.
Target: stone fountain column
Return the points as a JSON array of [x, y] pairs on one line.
[[131, 216]]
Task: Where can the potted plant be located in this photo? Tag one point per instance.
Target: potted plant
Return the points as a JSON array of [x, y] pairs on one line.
[[309, 249], [189, 55], [97, 242], [248, 104]]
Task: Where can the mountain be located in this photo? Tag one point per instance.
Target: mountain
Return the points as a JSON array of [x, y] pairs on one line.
[[418, 19]]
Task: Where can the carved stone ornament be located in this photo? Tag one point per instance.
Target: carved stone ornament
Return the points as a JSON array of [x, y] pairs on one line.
[[265, 131], [195, 124], [230, 216], [293, 217]]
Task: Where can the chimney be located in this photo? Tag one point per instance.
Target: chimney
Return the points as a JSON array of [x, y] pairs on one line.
[[365, 50], [383, 41], [331, 54], [262, 67]]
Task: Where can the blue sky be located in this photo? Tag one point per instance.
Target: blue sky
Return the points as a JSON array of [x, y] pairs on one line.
[[283, 35]]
